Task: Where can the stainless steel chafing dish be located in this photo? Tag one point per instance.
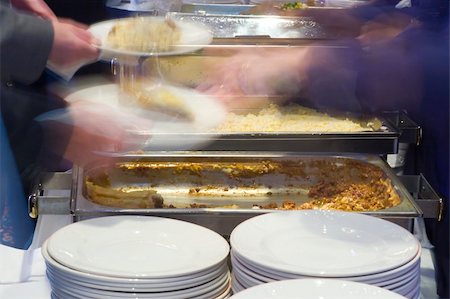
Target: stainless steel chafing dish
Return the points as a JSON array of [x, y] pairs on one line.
[[235, 32], [220, 219], [397, 127]]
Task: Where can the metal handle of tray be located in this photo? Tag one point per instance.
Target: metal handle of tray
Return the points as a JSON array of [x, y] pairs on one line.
[[410, 132], [425, 196], [40, 203]]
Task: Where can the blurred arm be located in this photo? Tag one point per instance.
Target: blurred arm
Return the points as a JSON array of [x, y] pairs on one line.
[[37, 7], [25, 45]]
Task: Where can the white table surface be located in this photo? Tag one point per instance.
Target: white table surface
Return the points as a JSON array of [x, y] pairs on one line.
[[35, 285]]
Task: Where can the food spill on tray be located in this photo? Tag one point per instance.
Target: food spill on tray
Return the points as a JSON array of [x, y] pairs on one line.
[[333, 184]]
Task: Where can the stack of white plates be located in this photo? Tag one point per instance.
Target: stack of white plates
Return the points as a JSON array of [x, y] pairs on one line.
[[316, 289], [137, 257], [325, 244]]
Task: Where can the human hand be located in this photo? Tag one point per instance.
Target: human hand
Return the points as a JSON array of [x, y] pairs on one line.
[[73, 45], [251, 78], [85, 128], [37, 7], [384, 27]]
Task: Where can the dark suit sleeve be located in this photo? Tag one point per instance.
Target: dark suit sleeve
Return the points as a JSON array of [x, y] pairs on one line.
[[25, 44]]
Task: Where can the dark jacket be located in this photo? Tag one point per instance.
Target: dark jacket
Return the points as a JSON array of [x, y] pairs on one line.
[[25, 45]]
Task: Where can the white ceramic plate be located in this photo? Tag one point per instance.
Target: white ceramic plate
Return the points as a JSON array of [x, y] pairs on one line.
[[403, 286], [401, 281], [121, 284], [236, 284], [133, 285], [193, 37], [226, 293], [255, 277], [206, 291], [137, 247], [315, 289], [245, 280], [67, 294], [414, 294], [380, 279], [60, 294], [167, 132], [324, 243], [408, 287], [207, 112]]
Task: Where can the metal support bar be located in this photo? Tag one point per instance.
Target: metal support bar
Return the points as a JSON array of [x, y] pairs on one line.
[[428, 200], [410, 132]]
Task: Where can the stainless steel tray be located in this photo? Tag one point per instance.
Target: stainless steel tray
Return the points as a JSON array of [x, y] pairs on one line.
[[250, 26], [57, 193], [379, 142], [383, 141], [237, 9], [397, 127], [223, 220], [215, 9]]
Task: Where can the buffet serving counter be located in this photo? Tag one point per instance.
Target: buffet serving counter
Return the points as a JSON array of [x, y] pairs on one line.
[[239, 175], [292, 167]]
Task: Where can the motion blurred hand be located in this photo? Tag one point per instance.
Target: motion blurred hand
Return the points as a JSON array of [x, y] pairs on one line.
[[73, 45], [93, 128], [252, 79], [37, 7], [385, 27]]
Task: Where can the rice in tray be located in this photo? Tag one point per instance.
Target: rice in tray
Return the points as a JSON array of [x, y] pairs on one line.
[[144, 35], [293, 118]]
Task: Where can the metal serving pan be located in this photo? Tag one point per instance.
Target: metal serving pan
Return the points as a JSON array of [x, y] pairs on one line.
[[253, 26], [237, 9], [53, 197], [397, 127], [383, 141], [215, 9], [223, 220]]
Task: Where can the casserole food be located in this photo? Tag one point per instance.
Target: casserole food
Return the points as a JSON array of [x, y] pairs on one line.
[[280, 184], [157, 97]]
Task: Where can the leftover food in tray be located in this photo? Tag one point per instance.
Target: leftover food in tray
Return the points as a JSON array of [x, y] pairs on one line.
[[143, 34], [333, 184], [157, 97], [296, 5], [293, 118], [281, 9]]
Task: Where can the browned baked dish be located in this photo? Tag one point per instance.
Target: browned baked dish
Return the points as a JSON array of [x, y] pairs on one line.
[[333, 184]]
